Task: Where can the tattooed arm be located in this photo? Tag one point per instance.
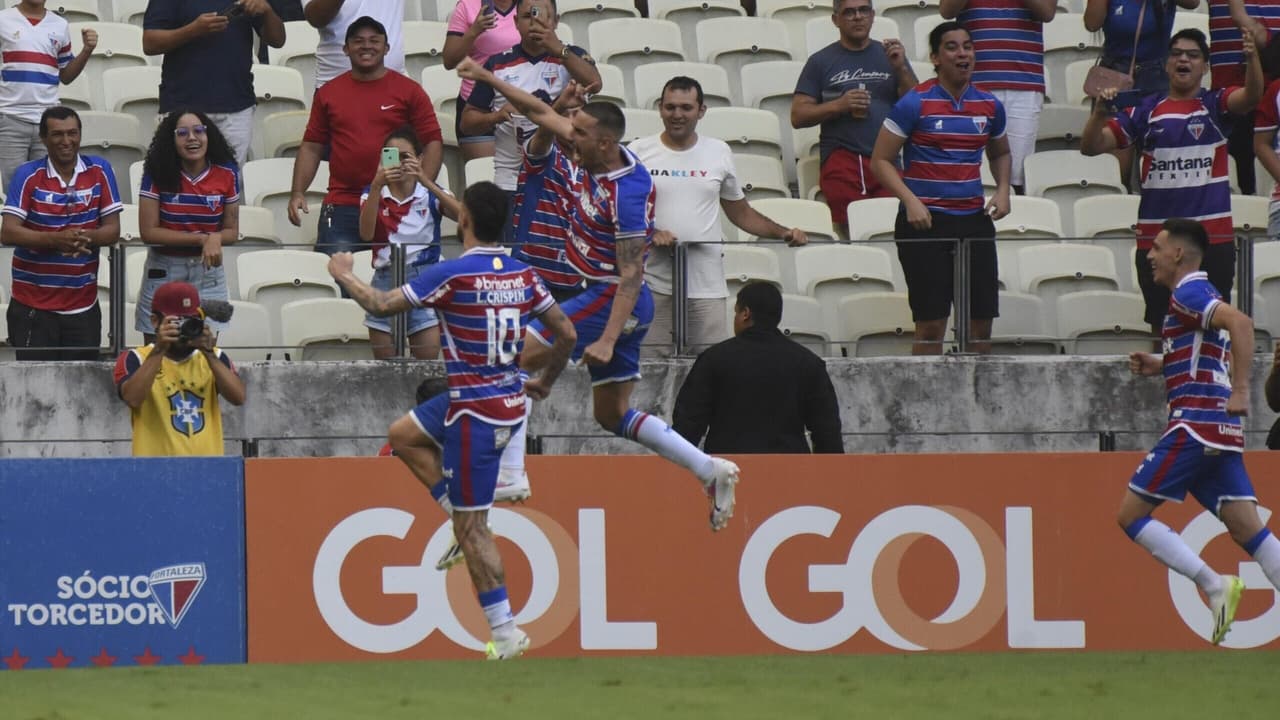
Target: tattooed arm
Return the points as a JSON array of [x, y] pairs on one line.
[[630, 257]]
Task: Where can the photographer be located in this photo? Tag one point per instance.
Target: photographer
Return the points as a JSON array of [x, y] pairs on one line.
[[172, 386]]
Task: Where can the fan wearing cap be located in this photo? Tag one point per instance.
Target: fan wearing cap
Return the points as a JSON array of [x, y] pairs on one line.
[[172, 386]]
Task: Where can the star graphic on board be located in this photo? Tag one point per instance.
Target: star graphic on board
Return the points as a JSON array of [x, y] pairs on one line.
[[60, 661], [146, 659], [191, 658], [102, 659], [16, 661]]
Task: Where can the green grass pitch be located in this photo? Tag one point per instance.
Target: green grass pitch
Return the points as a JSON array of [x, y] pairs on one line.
[[1016, 686]]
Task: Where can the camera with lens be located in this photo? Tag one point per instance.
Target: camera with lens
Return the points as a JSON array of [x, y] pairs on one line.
[[191, 327]]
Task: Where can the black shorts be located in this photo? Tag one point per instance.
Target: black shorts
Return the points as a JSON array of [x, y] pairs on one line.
[[929, 266], [50, 332], [1219, 263]]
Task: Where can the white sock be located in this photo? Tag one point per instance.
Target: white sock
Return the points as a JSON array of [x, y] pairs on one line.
[[1168, 547], [1267, 553], [655, 434]]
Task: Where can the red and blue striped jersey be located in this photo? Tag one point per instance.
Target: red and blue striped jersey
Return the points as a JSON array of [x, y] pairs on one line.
[[1197, 361], [32, 56], [945, 139], [542, 218], [413, 222], [198, 206], [1184, 161], [46, 279], [1008, 45], [604, 209], [485, 301], [1226, 46]]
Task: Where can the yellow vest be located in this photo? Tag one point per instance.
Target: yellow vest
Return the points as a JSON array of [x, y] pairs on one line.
[[180, 416]]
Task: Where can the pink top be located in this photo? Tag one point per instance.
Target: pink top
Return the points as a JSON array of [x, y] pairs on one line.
[[501, 38]]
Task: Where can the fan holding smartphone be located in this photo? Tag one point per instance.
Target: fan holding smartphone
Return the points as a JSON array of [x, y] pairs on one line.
[[478, 29]]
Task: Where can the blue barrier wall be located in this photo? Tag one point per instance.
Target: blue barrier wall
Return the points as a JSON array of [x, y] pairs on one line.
[[121, 562]]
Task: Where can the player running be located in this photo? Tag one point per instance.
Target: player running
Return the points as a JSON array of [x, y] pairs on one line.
[[485, 301], [610, 206], [1208, 354]]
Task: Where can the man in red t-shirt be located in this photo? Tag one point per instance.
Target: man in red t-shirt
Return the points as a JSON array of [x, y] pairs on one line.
[[352, 115]]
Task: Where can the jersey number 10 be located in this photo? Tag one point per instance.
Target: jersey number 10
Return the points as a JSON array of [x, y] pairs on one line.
[[504, 334]]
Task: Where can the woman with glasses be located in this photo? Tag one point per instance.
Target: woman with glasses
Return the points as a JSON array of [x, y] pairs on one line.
[[189, 207], [403, 207], [1182, 135]]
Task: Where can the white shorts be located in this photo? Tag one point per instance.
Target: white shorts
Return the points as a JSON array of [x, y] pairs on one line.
[[1022, 116]]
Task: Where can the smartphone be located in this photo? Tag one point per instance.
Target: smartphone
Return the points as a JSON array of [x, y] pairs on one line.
[[390, 157], [486, 6], [233, 10]]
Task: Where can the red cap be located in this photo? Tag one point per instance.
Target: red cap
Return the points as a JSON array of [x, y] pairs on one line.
[[176, 299]]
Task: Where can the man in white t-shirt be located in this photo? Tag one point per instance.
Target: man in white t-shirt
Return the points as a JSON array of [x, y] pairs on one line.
[[331, 18], [694, 178]]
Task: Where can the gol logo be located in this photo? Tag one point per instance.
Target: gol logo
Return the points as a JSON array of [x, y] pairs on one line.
[[993, 577]]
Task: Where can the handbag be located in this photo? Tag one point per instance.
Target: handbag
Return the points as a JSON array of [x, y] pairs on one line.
[[1100, 78]]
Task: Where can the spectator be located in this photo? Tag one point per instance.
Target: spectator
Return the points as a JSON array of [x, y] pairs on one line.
[[759, 391], [333, 18], [695, 179], [942, 127], [287, 11], [58, 212], [352, 115], [539, 64], [848, 87], [478, 29], [1182, 134], [1228, 64], [1008, 43], [188, 208], [172, 385], [35, 47], [400, 210], [208, 50]]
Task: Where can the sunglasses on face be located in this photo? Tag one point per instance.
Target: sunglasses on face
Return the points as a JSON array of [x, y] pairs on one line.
[[197, 130]]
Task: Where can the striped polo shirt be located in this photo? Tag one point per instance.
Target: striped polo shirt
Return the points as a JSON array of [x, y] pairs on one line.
[[198, 206], [1008, 45], [46, 279], [946, 137], [31, 56], [1226, 48]]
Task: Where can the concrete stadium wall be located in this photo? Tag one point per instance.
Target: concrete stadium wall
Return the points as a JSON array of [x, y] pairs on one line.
[[888, 405]]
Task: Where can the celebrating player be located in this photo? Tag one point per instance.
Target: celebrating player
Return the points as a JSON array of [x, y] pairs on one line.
[[1208, 353], [610, 205], [484, 300]]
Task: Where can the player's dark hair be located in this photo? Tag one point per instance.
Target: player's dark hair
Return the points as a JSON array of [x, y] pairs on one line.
[[486, 203], [682, 82], [1188, 230], [361, 23], [406, 133], [1194, 36], [162, 163], [609, 116], [764, 301], [57, 112], [935, 35], [430, 388]]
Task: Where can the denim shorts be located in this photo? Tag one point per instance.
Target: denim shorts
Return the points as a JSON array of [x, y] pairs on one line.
[[419, 318], [160, 269]]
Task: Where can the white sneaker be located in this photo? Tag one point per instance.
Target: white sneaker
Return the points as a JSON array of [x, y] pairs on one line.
[[720, 490], [513, 486], [509, 649], [451, 557]]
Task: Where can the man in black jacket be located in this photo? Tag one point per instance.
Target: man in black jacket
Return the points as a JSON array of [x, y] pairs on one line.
[[758, 391]]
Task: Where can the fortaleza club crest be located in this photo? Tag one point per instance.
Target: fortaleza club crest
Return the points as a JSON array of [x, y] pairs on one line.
[[1196, 128], [174, 589]]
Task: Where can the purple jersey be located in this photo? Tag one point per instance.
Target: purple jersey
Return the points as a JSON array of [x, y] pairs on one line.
[[1197, 374], [484, 300]]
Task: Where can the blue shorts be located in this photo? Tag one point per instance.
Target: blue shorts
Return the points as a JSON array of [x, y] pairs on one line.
[[1180, 463], [419, 318], [589, 313], [471, 452]]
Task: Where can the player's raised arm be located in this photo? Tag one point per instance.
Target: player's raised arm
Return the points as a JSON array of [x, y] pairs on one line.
[[538, 112], [1240, 328], [378, 302], [566, 337]]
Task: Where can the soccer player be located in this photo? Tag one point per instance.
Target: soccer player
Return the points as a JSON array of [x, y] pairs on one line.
[[1208, 353], [610, 206], [484, 300]]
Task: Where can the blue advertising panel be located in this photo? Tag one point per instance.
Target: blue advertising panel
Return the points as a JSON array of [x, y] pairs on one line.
[[128, 561]]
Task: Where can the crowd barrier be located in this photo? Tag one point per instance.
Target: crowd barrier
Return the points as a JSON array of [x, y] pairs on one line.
[[333, 560]]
